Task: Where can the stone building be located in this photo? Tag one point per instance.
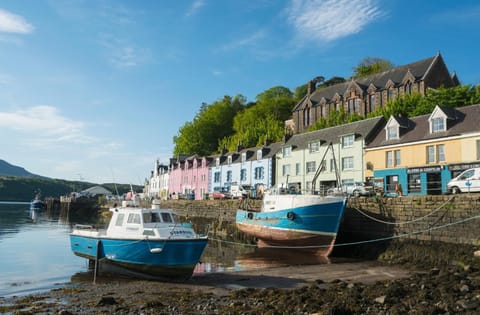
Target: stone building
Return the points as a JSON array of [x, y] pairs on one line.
[[365, 95]]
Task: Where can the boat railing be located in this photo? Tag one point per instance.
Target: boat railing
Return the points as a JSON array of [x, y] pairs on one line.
[[323, 191], [83, 227]]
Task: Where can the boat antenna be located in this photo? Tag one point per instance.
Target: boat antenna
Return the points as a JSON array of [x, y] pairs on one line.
[[320, 167], [114, 183]]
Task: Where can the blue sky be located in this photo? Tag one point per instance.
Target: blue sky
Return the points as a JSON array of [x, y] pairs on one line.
[[96, 90]]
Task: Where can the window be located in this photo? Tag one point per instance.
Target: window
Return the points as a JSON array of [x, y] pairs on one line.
[[440, 153], [311, 167], [438, 124], [314, 146], [372, 102], [414, 183], [390, 96], [243, 174], [324, 111], [229, 176], [332, 165], [389, 159], [216, 177], [306, 116], [430, 154], [347, 141], [286, 151], [392, 133], [203, 178], [297, 168], [286, 170], [119, 221], [244, 157], [166, 217], [258, 173], [133, 218], [217, 161], [397, 157], [478, 149], [229, 160], [259, 154], [408, 88], [347, 163]]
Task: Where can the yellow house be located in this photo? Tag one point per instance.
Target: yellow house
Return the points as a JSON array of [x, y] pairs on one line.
[[419, 155]]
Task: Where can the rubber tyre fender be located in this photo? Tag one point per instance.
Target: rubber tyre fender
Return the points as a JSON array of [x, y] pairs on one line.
[[290, 215], [250, 215]]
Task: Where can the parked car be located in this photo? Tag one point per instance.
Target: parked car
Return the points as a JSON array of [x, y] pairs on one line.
[[358, 189], [241, 191], [221, 193], [467, 181]]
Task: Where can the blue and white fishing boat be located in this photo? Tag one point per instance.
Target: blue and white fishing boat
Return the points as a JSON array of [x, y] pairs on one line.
[[149, 243], [37, 203], [292, 219]]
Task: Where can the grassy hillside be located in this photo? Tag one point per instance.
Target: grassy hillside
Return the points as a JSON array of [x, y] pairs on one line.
[[24, 189]]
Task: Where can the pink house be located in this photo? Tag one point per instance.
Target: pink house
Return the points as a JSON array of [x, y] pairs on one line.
[[188, 177]]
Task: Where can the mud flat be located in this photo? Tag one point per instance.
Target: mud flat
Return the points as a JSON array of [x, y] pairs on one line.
[[410, 277]]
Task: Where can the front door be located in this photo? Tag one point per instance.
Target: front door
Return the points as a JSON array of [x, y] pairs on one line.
[[434, 183]]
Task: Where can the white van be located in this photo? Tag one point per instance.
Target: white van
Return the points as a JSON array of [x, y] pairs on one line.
[[238, 191], [467, 181]]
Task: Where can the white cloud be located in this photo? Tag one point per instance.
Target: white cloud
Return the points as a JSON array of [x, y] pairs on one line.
[[328, 20], [251, 40], [122, 54], [12, 23], [45, 123], [195, 7]]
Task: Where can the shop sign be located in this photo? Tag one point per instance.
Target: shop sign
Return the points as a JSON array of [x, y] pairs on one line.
[[426, 169]]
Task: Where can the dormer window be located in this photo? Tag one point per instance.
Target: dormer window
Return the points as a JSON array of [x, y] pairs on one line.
[[314, 146], [392, 129], [347, 141], [392, 133], [286, 151], [259, 154], [437, 124], [229, 159], [217, 161], [244, 157]]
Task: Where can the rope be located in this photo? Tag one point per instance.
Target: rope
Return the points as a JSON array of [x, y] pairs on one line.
[[360, 242], [404, 222]]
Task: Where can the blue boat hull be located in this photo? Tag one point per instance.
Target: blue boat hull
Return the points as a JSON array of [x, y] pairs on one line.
[[170, 259], [312, 227]]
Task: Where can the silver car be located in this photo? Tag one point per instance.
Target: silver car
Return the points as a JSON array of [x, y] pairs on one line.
[[358, 189]]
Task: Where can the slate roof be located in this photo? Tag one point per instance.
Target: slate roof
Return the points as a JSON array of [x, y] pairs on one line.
[[462, 120], [366, 128], [418, 69]]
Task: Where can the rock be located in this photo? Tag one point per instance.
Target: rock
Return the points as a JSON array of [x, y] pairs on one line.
[[468, 305], [477, 254], [464, 288], [107, 300], [381, 299]]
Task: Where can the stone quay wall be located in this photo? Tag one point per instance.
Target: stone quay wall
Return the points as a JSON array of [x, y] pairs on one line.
[[444, 218]]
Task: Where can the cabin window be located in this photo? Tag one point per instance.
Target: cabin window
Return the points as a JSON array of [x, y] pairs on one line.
[[148, 232], [133, 218], [119, 221], [150, 217], [166, 217]]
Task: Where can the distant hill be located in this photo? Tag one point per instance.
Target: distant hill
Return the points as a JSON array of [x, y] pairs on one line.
[[7, 169]]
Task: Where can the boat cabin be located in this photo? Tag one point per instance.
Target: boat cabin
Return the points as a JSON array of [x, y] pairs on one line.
[[152, 223]]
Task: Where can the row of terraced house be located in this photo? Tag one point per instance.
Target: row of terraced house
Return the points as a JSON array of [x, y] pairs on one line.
[[420, 154]]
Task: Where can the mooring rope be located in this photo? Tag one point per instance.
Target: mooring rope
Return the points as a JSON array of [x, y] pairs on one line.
[[359, 242], [404, 222]]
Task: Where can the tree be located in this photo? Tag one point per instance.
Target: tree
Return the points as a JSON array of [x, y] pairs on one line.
[[212, 123], [263, 121], [371, 65]]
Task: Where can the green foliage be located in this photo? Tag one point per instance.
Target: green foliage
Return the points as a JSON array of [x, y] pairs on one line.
[[13, 188], [371, 65], [212, 122], [262, 122]]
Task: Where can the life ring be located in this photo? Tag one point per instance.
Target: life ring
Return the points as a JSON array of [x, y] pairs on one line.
[[291, 215], [250, 215]]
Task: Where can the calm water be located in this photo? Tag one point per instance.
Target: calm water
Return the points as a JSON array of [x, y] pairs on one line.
[[35, 253]]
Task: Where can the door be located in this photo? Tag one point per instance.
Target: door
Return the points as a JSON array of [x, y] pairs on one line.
[[434, 183]]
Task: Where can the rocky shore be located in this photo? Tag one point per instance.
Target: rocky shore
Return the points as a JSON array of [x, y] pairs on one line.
[[408, 278]]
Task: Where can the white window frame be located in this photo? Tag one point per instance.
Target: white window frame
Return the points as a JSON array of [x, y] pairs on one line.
[[347, 163], [348, 141], [310, 167]]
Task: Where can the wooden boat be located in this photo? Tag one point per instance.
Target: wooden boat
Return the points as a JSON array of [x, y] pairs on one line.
[[296, 220], [149, 243], [37, 203]]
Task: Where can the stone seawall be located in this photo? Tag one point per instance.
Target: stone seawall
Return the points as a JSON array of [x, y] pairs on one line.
[[445, 218]]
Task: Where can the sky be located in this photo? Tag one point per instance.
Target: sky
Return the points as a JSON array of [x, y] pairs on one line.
[[95, 90]]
